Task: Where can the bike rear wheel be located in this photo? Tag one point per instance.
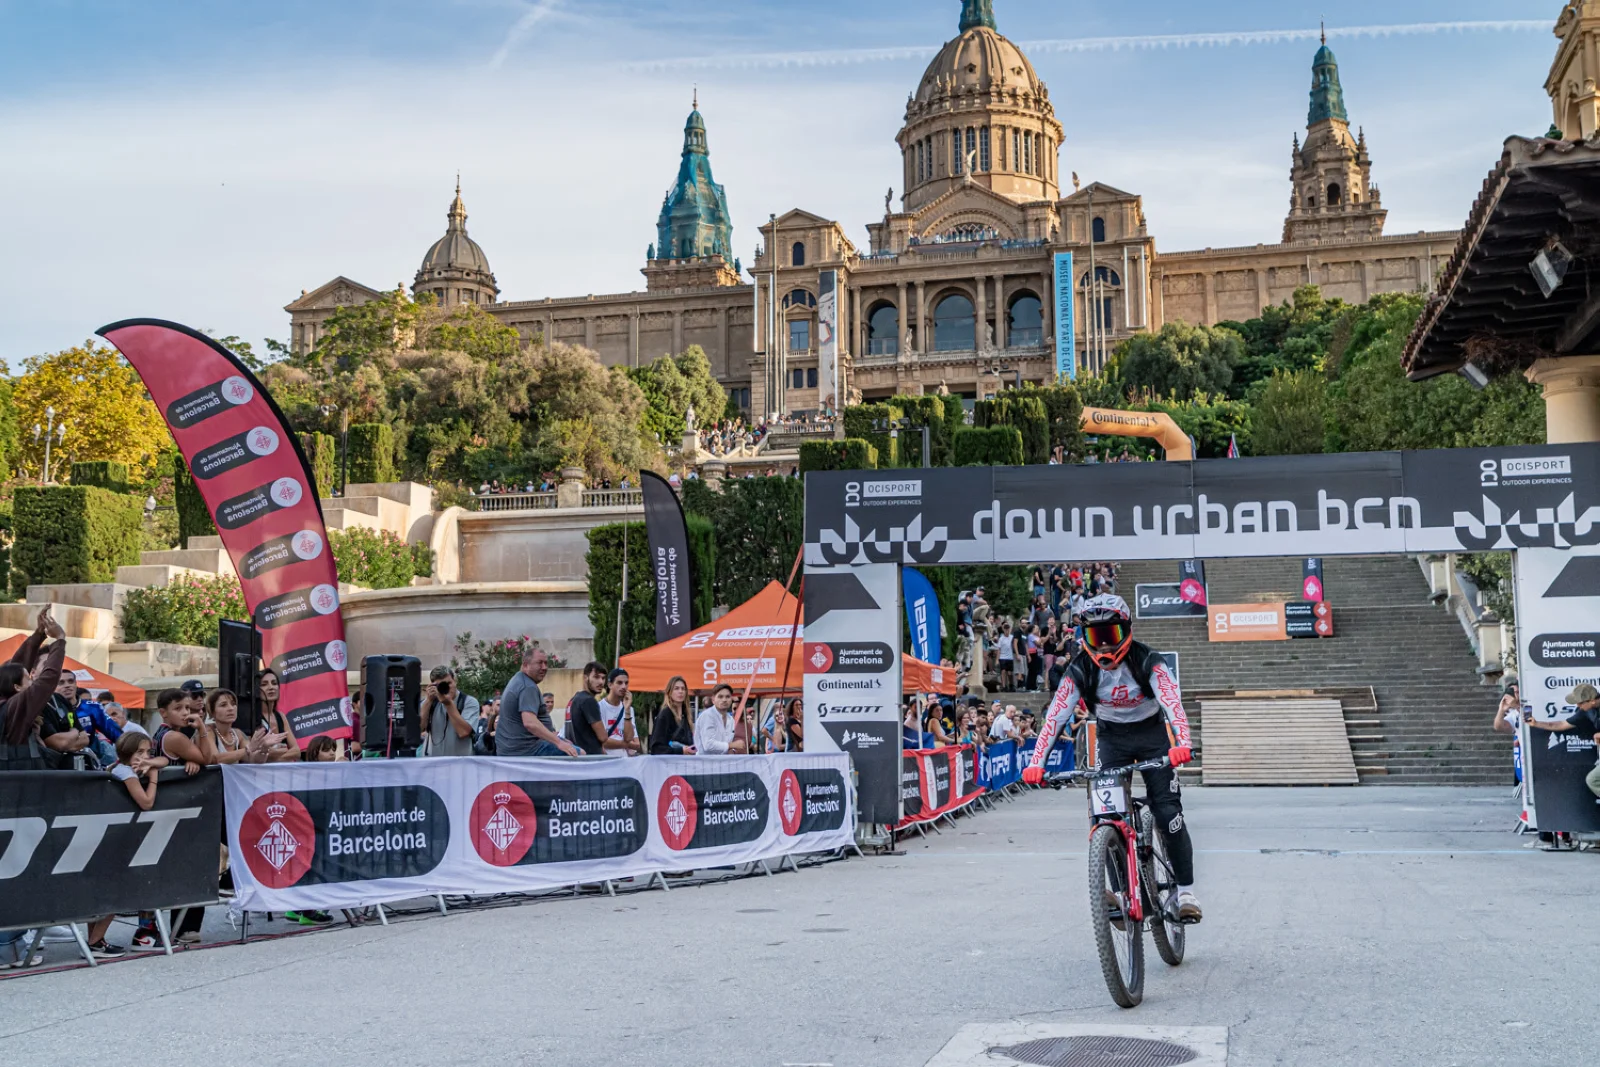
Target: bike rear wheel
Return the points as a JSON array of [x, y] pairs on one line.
[[1119, 938], [1160, 886]]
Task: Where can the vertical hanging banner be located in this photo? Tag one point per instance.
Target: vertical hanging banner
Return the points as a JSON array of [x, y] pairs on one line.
[[922, 615], [852, 679], [1311, 588], [1192, 581], [1066, 327], [668, 533], [261, 494], [828, 340]]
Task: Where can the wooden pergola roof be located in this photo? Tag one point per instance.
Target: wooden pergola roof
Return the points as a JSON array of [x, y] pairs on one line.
[[1489, 309]]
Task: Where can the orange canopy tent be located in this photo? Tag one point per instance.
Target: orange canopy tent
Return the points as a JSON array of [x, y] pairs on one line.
[[763, 636], [129, 696]]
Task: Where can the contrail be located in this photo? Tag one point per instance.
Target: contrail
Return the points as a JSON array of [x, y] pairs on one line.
[[537, 12], [856, 56]]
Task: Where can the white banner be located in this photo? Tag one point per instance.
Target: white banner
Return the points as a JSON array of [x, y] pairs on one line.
[[335, 835], [828, 341]]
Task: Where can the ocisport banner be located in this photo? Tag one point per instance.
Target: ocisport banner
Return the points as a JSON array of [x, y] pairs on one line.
[[828, 340], [333, 835], [852, 677], [263, 498], [74, 847], [1558, 633], [1449, 500], [668, 534]]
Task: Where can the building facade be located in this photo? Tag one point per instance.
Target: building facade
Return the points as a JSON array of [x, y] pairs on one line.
[[957, 287]]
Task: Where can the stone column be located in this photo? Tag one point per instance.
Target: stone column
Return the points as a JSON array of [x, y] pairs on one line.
[[903, 318], [980, 320], [723, 342], [1002, 339], [1211, 299], [713, 471], [1263, 295], [633, 338], [922, 318], [1047, 323], [677, 331], [569, 492], [1571, 397]]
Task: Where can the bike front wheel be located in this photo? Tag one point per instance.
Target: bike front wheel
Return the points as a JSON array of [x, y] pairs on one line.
[[1160, 885], [1119, 937]]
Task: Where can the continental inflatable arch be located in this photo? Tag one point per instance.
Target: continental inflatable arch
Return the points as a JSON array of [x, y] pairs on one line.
[[1157, 425]]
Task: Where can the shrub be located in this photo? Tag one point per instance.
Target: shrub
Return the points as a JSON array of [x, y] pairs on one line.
[[482, 667], [184, 612], [322, 453], [1026, 414], [847, 455], [105, 473], [378, 559], [703, 554], [861, 422], [605, 588], [988, 446], [194, 518], [67, 534], [371, 447]]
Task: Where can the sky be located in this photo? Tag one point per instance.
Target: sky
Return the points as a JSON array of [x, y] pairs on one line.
[[207, 160]]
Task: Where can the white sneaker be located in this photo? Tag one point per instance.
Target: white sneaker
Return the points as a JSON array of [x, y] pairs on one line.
[[1188, 907]]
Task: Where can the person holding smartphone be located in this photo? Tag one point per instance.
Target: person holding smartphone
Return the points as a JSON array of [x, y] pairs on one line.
[[449, 716]]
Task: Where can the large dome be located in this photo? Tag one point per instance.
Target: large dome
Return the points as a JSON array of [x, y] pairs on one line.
[[980, 61], [455, 250]]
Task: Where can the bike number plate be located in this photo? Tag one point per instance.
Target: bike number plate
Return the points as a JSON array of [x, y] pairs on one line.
[[1109, 797]]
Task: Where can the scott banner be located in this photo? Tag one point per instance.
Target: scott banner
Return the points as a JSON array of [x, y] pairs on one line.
[[1558, 636], [1447, 500], [331, 835], [263, 498], [935, 781], [74, 847], [668, 533]]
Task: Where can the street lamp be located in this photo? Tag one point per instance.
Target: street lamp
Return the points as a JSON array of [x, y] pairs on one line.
[[894, 426], [53, 433]]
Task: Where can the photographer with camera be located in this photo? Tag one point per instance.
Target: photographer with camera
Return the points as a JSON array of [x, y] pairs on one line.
[[449, 716]]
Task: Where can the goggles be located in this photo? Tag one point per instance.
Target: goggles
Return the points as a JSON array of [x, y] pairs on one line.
[[1106, 635]]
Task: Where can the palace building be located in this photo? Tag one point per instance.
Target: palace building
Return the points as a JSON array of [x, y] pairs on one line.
[[957, 285]]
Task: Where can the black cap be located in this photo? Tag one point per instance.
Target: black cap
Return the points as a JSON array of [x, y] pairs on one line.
[[615, 673], [194, 687]]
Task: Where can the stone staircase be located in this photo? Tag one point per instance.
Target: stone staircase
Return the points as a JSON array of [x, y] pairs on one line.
[[1415, 708]]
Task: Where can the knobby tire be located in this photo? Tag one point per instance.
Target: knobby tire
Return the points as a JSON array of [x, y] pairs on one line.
[[1108, 861], [1169, 937]]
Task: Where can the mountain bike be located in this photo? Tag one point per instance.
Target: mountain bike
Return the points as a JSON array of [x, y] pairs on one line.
[[1131, 882]]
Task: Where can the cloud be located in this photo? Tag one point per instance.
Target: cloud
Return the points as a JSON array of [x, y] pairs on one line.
[[895, 53], [537, 12]]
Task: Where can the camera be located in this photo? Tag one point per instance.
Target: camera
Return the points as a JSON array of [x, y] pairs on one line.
[[443, 687]]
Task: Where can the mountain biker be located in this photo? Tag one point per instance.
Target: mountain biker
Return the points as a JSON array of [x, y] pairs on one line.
[[1130, 689]]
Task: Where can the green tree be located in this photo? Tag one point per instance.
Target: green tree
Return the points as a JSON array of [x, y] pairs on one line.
[[674, 384], [1179, 361], [100, 400], [1290, 414], [1306, 332]]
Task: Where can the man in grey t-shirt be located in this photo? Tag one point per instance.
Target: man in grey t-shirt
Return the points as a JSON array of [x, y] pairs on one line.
[[524, 727]]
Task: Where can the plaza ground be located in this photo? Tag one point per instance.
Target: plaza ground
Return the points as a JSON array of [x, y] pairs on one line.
[[1361, 926]]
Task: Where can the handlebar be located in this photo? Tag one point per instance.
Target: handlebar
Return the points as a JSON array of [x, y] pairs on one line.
[[1059, 780]]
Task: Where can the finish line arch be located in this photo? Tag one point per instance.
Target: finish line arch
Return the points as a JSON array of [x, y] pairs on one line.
[[1541, 502]]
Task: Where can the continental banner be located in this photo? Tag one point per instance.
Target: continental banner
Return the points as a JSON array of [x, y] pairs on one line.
[[1448, 500], [936, 781], [336, 835], [260, 491], [74, 847]]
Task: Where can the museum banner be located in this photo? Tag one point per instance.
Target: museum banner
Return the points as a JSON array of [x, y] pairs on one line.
[[1066, 339], [828, 340], [339, 835], [1449, 500], [262, 495]]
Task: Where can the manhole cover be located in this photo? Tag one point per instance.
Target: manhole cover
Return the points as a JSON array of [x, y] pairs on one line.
[[1098, 1051]]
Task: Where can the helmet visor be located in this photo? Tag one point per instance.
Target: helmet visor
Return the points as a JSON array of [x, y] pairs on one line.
[[1106, 635]]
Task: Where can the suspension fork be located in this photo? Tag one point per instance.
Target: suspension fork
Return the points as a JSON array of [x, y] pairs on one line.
[[1130, 840]]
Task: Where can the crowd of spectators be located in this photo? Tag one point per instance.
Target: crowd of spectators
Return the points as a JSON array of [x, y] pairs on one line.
[[1028, 651]]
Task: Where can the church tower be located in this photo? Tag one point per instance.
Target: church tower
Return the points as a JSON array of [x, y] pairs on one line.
[[694, 232], [1331, 195], [455, 270]]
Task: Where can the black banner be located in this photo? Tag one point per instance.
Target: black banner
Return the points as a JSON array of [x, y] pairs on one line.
[[1166, 601], [711, 810], [310, 836], [668, 532], [1444, 500], [73, 846], [1192, 582], [1557, 765], [1311, 587]]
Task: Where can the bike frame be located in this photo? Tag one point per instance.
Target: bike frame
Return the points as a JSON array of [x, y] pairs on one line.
[[1130, 841]]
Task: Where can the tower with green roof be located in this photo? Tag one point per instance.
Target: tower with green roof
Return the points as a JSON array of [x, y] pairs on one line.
[[694, 232], [1332, 199]]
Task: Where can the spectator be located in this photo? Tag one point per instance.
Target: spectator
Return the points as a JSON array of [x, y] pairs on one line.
[[1585, 719], [103, 733], [321, 750], [136, 770], [796, 741], [1003, 728], [672, 734], [449, 716], [66, 739], [934, 722], [483, 742], [583, 711], [273, 720], [616, 710], [550, 706], [1507, 719], [1006, 653], [179, 738], [119, 715], [227, 741], [524, 727], [1033, 650], [716, 729]]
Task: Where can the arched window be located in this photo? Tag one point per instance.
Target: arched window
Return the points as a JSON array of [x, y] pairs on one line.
[[1025, 320], [799, 298], [883, 330], [797, 255], [1333, 194], [1099, 228], [953, 326], [955, 150], [1016, 150]]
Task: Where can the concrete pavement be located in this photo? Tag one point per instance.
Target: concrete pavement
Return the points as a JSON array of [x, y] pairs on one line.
[[1364, 926]]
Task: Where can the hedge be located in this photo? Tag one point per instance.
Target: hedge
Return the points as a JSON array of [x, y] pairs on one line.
[[703, 554], [69, 534], [1024, 413], [932, 412], [847, 455], [105, 473], [322, 453], [860, 422], [988, 446], [194, 519], [605, 585], [184, 612], [371, 446]]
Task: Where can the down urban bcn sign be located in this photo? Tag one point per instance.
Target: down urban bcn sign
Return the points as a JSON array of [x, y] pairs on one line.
[[1542, 498]]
